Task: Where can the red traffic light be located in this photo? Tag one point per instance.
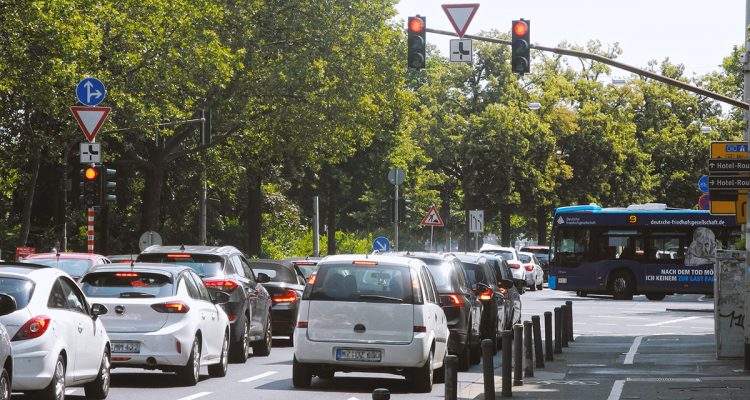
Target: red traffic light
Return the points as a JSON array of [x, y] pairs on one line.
[[416, 25], [520, 28], [90, 173]]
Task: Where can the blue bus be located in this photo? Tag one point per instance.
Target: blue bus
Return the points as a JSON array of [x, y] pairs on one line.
[[642, 249]]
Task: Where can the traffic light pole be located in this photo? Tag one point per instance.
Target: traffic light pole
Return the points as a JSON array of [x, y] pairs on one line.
[[90, 229], [746, 135]]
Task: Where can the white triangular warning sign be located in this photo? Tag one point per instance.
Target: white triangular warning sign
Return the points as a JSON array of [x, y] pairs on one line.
[[432, 218], [460, 16], [90, 119]]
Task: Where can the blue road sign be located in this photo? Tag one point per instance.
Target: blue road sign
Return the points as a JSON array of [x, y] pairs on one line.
[[90, 92], [704, 202], [381, 243], [703, 184]]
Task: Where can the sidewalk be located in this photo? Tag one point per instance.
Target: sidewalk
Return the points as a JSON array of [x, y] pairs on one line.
[[674, 367]]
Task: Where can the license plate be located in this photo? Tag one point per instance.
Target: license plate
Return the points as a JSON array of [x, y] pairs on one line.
[[126, 347], [562, 280], [358, 355]]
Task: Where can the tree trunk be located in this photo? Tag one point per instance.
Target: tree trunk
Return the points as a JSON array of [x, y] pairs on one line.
[[254, 212], [151, 210], [505, 225], [541, 225], [29, 200], [331, 220]]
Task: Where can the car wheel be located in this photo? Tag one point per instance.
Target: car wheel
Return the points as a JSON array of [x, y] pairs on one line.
[[99, 388], [301, 374], [4, 385], [464, 359], [263, 347], [189, 374], [532, 287], [439, 375], [656, 296], [219, 370], [622, 286], [56, 388], [241, 348], [326, 374], [540, 286], [423, 376], [581, 293]]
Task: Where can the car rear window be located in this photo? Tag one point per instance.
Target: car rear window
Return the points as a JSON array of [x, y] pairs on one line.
[[537, 251], [474, 272], [441, 274], [72, 267], [204, 265], [525, 258], [127, 284], [277, 272], [361, 283], [20, 289]]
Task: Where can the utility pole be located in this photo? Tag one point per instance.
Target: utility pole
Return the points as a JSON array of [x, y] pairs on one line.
[[316, 226], [746, 136], [204, 178]]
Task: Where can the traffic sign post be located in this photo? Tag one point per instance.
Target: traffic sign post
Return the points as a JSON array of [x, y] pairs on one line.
[[729, 166], [461, 50], [704, 202], [396, 177], [727, 160], [476, 225], [432, 219], [460, 16], [703, 184], [728, 182], [91, 153], [90, 92], [381, 244], [90, 119]]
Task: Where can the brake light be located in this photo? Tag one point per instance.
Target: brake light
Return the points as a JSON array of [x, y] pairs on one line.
[[290, 296], [360, 262], [301, 324], [305, 263], [529, 267], [173, 307], [420, 328], [126, 274], [224, 285], [179, 256], [455, 299], [33, 328], [416, 288], [311, 279], [514, 266], [486, 295]]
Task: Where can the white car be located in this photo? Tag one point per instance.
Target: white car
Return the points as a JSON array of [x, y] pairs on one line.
[[510, 255], [57, 337], [534, 274], [373, 313], [162, 316]]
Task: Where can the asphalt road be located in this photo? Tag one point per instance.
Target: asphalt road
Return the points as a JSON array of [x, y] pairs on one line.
[[267, 378]]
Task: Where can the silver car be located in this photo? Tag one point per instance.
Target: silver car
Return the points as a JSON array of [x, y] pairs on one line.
[[7, 306]]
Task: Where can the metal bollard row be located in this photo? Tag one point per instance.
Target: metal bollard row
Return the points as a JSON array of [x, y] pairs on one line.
[[518, 355], [451, 377], [488, 352]]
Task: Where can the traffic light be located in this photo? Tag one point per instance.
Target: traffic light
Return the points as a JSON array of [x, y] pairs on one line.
[[521, 50], [90, 192], [108, 184], [417, 41]]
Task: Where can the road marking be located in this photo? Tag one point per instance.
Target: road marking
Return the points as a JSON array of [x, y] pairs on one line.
[[672, 321], [633, 349], [587, 365], [352, 398], [256, 377], [70, 391], [616, 390], [195, 396], [667, 379]]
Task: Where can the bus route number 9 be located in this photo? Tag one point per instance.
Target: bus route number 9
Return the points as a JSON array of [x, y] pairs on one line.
[[632, 219]]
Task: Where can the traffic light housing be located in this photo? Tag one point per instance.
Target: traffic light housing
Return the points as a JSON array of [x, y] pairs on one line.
[[417, 41], [521, 46], [90, 190], [107, 185]]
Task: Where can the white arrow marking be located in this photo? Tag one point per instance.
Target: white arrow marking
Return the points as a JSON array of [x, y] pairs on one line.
[[96, 94], [382, 245], [256, 377]]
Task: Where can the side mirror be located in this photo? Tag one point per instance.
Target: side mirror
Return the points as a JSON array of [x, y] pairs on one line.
[[98, 309], [263, 278], [520, 285], [7, 304], [506, 283], [220, 297]]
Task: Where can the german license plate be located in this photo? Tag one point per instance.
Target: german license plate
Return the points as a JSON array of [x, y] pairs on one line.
[[126, 347], [562, 280], [358, 355]]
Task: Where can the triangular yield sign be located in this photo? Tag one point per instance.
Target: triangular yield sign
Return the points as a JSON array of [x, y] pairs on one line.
[[90, 119], [432, 218], [460, 16]]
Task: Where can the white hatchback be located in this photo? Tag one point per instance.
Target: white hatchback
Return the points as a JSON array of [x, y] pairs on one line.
[[533, 270], [162, 317], [370, 313], [57, 337]]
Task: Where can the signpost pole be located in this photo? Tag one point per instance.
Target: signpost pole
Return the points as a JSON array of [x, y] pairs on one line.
[[90, 230], [316, 228], [746, 136], [432, 229], [395, 213]]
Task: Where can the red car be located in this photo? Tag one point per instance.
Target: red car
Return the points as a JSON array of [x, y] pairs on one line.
[[75, 264]]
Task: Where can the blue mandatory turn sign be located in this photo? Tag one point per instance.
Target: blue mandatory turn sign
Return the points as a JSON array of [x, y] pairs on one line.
[[703, 184], [381, 243], [90, 92]]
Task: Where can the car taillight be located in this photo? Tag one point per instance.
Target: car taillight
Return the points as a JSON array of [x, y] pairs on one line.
[[514, 266], [33, 328], [455, 299], [301, 324], [486, 295], [172, 307], [224, 285], [311, 279], [416, 288], [290, 296], [126, 274], [529, 267]]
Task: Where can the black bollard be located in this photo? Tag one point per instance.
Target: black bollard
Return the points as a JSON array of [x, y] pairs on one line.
[[548, 336], [507, 360], [518, 355], [381, 394], [528, 350], [564, 325], [558, 330], [488, 370], [451, 377], [535, 322], [570, 320]]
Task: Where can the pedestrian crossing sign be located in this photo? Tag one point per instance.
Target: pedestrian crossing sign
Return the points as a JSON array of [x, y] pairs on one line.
[[432, 218]]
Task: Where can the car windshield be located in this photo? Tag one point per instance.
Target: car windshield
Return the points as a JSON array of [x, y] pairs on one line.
[[126, 284], [20, 289], [362, 283], [507, 255], [204, 265], [73, 267], [277, 272]]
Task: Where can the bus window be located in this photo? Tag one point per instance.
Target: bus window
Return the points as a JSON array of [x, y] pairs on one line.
[[622, 244], [572, 245], [666, 246]]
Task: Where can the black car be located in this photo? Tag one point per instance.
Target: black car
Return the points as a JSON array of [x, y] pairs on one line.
[[460, 304], [484, 283], [226, 269], [510, 288], [285, 287]]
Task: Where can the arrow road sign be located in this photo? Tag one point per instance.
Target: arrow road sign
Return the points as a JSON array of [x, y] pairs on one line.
[[90, 91], [728, 182], [90, 119], [460, 16], [381, 243], [461, 50], [476, 221], [703, 184], [728, 165], [91, 153], [432, 218]]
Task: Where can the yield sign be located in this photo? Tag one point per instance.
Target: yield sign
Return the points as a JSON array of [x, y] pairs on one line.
[[90, 119], [460, 16], [432, 218]]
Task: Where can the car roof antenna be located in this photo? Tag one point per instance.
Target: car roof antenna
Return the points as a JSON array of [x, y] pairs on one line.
[[182, 247]]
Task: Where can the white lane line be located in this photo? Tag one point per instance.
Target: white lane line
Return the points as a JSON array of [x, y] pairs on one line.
[[352, 398], [633, 349], [195, 396], [672, 321], [616, 390], [256, 377]]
